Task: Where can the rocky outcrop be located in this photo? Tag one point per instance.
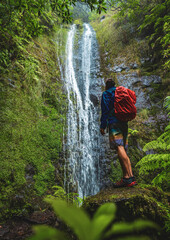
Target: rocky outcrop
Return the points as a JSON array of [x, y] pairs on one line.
[[141, 86], [95, 96], [134, 203]]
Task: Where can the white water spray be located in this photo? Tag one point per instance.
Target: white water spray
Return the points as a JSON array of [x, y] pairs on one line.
[[83, 148]]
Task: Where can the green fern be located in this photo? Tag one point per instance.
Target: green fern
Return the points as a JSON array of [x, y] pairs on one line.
[[158, 163]]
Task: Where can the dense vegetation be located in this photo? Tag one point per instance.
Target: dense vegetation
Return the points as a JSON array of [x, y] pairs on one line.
[[22, 19], [33, 111], [144, 19], [152, 20], [33, 102]]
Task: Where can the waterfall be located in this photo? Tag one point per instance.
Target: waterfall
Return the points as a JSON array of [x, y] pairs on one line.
[[83, 139]]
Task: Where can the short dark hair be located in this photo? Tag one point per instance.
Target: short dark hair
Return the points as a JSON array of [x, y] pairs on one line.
[[109, 83]]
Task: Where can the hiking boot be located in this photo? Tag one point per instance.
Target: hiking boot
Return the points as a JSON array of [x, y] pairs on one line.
[[125, 182]]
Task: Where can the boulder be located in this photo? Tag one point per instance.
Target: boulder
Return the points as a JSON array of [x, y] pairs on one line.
[[146, 81], [144, 202], [120, 67]]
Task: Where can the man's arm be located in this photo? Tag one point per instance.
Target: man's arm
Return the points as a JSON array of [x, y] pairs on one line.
[[105, 112]]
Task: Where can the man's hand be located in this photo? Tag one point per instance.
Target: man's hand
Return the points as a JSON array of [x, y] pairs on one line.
[[102, 131]]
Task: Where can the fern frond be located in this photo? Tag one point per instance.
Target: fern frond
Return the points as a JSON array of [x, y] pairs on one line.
[[166, 135], [152, 162], [167, 128], [161, 177], [154, 157], [167, 103], [158, 163], [162, 142], [156, 145]]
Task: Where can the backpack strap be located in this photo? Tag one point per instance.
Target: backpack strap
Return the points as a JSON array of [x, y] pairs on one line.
[[112, 111]]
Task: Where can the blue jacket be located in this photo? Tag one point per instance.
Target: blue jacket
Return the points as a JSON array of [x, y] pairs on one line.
[[107, 106]]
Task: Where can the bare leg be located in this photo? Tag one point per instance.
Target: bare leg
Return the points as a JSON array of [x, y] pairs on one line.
[[124, 162], [122, 166]]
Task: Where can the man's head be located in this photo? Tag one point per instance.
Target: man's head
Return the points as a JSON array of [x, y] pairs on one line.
[[109, 83]]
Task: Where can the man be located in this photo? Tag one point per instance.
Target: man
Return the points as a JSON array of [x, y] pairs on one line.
[[118, 134]]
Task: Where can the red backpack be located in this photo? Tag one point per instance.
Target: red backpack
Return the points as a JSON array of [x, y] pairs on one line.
[[124, 104]]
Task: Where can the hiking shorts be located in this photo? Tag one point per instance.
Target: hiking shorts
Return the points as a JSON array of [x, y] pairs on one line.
[[118, 135]]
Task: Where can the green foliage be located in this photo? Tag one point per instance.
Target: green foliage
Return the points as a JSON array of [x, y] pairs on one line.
[[78, 22], [129, 227], [100, 227], [104, 33], [133, 10], [132, 132], [60, 194], [33, 112], [28, 140], [156, 24], [20, 20], [158, 161], [93, 16], [116, 171], [47, 232], [152, 19], [116, 42], [144, 113], [165, 41]]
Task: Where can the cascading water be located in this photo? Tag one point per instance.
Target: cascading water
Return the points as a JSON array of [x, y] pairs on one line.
[[82, 85]]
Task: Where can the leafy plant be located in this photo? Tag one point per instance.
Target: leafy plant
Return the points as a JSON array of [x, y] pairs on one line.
[[132, 132], [156, 27], [60, 194], [149, 19], [21, 20], [157, 161], [116, 171], [100, 227]]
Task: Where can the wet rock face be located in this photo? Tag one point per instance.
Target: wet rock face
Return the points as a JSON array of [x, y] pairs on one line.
[[128, 75], [124, 67], [140, 85], [94, 97], [120, 68], [107, 157]]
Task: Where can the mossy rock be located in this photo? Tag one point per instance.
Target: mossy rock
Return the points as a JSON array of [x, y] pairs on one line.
[[144, 202]]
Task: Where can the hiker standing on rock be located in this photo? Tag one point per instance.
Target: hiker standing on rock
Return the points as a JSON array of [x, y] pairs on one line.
[[118, 130]]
